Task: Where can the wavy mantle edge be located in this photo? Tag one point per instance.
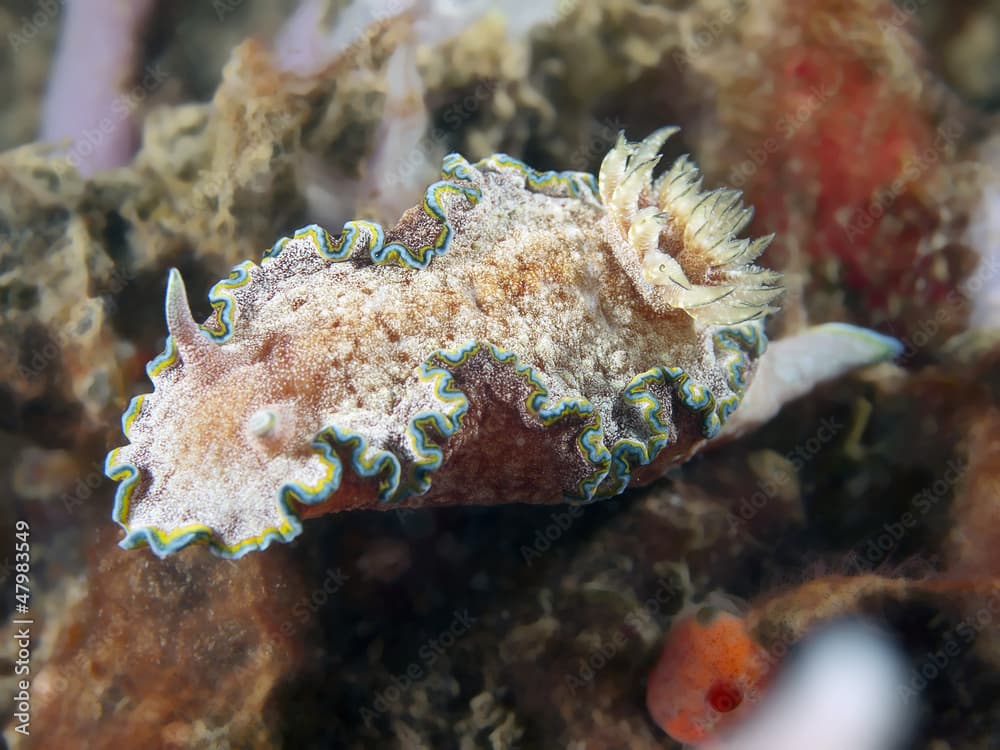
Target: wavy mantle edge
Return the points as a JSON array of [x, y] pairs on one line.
[[611, 467]]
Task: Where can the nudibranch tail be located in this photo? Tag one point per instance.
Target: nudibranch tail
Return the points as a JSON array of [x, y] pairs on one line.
[[521, 335], [797, 364]]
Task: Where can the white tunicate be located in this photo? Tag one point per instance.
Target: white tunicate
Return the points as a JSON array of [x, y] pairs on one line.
[[841, 692]]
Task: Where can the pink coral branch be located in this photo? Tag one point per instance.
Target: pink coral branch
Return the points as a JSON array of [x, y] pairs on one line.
[[87, 100]]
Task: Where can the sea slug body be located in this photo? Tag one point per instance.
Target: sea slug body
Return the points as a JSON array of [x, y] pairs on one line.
[[521, 336]]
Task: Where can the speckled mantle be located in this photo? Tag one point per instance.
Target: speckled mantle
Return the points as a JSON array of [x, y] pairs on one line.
[[520, 336]]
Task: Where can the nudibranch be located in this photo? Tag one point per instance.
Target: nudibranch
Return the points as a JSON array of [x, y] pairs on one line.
[[521, 336]]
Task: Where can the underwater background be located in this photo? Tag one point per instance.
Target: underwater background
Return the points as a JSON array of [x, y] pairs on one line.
[[143, 136]]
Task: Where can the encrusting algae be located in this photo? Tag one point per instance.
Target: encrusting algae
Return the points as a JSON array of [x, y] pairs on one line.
[[550, 335]]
